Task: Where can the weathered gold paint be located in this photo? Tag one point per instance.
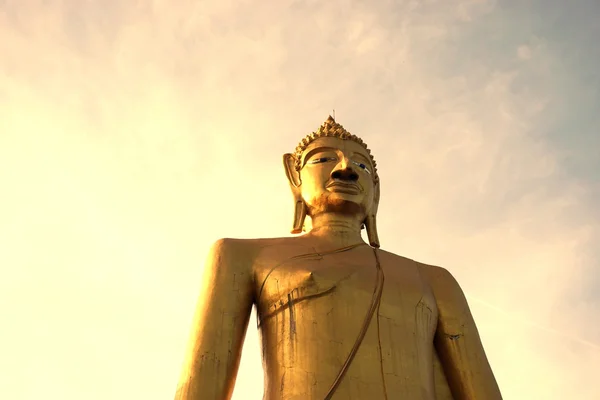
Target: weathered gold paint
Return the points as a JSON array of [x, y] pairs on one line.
[[322, 294]]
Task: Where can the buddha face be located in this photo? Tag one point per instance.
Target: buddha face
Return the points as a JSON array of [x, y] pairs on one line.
[[337, 176]]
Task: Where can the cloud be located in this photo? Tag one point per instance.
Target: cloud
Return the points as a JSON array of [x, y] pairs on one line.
[[524, 52], [134, 134]]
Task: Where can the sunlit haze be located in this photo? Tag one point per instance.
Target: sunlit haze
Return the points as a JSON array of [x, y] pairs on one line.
[[133, 134]]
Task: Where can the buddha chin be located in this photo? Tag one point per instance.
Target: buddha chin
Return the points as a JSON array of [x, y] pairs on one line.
[[337, 203]]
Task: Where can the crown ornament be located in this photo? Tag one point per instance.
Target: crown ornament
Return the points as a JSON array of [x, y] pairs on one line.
[[330, 128]]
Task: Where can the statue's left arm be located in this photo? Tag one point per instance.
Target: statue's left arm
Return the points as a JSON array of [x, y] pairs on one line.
[[457, 341]]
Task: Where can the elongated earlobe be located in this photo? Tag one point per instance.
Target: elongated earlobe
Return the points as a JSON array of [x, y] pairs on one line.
[[371, 225], [299, 216], [371, 220]]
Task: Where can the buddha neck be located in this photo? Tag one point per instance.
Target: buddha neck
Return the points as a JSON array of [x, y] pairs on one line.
[[337, 230]]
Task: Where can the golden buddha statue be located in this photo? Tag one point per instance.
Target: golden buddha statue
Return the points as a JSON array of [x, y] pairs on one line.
[[338, 318]]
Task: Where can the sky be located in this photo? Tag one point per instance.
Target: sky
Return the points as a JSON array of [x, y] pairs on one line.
[[134, 134]]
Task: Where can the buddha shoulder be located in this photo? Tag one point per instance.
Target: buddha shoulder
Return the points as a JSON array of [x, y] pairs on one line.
[[438, 279], [449, 296], [241, 254]]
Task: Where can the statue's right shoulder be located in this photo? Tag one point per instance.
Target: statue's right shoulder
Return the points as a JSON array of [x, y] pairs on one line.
[[247, 244], [244, 252], [256, 243], [236, 248]]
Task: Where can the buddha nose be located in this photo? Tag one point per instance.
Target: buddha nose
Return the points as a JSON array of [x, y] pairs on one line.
[[346, 174]]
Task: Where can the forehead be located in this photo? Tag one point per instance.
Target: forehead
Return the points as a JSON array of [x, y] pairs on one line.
[[345, 145]]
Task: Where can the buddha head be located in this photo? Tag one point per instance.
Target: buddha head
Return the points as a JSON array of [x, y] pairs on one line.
[[332, 170]]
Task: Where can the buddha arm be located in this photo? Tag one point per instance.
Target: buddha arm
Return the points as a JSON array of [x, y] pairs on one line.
[[219, 326], [457, 341]]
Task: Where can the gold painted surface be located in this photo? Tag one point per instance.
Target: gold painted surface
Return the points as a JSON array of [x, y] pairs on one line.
[[338, 318]]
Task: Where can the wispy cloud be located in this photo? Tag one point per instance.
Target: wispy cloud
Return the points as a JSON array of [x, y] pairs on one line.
[[132, 134]]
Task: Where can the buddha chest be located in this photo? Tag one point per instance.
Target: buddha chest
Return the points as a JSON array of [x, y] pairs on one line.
[[312, 308]]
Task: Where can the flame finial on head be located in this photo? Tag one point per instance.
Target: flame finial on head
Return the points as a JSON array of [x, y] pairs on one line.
[[330, 128]]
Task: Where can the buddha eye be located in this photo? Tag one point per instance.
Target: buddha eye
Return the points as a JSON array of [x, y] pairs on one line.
[[321, 160], [362, 166]]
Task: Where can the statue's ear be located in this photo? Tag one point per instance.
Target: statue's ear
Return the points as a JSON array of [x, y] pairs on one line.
[[289, 163], [376, 197], [371, 220]]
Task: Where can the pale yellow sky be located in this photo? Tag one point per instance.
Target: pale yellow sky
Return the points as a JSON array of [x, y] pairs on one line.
[[134, 134]]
